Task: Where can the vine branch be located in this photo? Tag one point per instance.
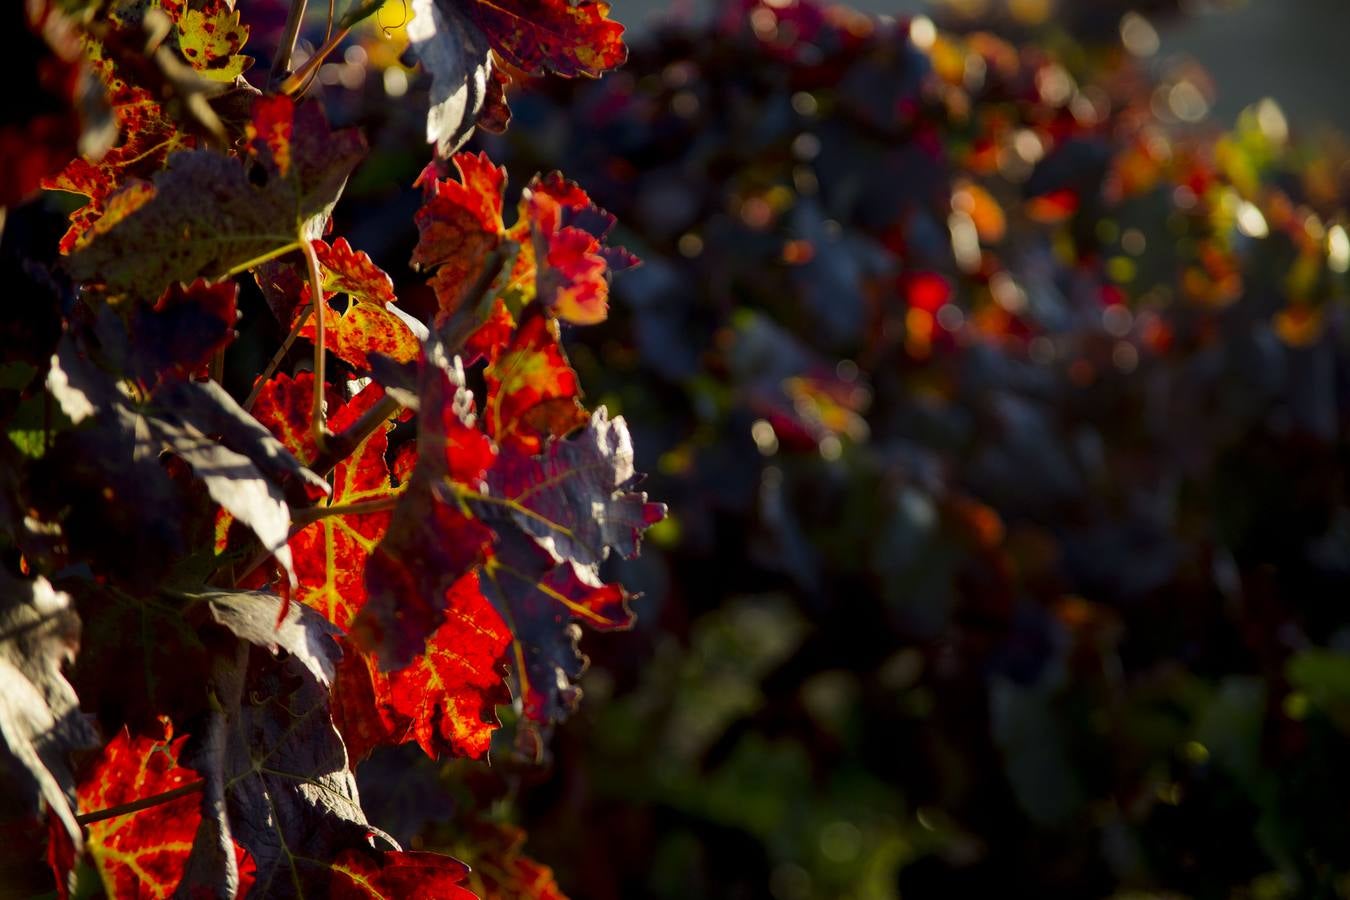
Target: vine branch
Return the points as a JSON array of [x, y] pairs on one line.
[[123, 809], [317, 418]]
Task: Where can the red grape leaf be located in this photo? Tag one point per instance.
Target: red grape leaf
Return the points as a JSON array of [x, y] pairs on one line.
[[574, 496], [460, 224], [564, 38], [330, 554], [532, 392], [446, 699], [212, 211], [452, 39], [144, 853], [540, 600], [40, 720], [398, 875], [370, 324], [432, 541], [149, 137]]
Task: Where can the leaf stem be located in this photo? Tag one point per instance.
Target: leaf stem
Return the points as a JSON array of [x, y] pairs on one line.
[[278, 357], [317, 422], [138, 805], [296, 81], [281, 63], [300, 78], [364, 507], [339, 446]]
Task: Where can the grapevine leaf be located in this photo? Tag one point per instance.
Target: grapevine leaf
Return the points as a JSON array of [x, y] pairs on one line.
[[564, 37], [460, 224], [452, 39], [446, 699], [267, 621], [330, 554], [246, 471], [456, 55], [149, 136], [398, 875], [145, 853], [432, 541], [290, 795], [574, 497], [219, 215], [532, 392], [40, 721], [176, 337], [540, 600], [371, 323], [210, 37]]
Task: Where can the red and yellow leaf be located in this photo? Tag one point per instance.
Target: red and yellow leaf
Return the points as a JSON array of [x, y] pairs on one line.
[[145, 853], [398, 875], [532, 392], [370, 324], [460, 223], [330, 554], [564, 37]]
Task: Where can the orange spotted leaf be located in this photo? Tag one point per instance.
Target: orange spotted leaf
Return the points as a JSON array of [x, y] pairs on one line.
[[370, 323], [210, 37], [330, 553], [460, 223]]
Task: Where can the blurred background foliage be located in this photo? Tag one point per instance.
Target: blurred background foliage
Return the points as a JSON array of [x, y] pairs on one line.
[[997, 385]]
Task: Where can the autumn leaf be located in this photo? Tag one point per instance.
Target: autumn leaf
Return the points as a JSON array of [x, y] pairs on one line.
[[398, 875], [459, 224], [371, 323], [145, 853], [452, 38], [432, 541], [556, 244], [574, 497], [540, 599], [330, 554], [245, 470], [219, 215], [177, 336], [445, 699], [210, 37], [532, 391], [149, 136]]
